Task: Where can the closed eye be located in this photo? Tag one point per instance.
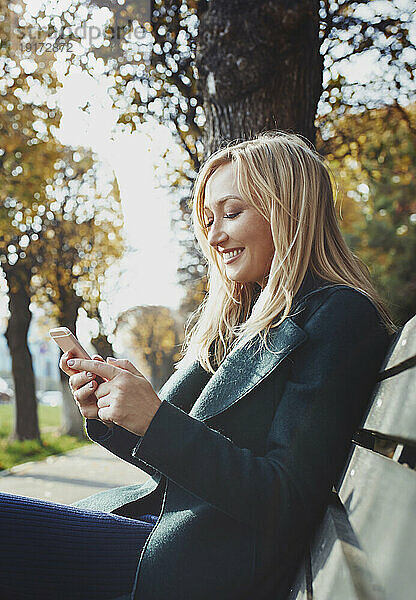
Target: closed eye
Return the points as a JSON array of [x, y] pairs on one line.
[[230, 216]]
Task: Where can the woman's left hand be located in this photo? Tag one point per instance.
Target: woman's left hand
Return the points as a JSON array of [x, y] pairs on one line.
[[127, 398]]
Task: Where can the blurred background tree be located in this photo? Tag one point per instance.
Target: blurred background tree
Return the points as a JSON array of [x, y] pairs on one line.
[[58, 233], [168, 73], [154, 333], [84, 238], [27, 156], [373, 154]]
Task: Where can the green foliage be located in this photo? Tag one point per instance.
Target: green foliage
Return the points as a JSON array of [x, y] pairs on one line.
[[154, 330], [57, 226], [52, 214], [14, 453], [155, 77], [380, 31], [162, 83], [375, 155], [83, 237]]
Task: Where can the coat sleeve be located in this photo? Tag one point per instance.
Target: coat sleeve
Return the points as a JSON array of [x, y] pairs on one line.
[[323, 402], [117, 440]]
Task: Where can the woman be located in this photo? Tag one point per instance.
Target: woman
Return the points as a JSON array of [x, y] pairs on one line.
[[244, 442]]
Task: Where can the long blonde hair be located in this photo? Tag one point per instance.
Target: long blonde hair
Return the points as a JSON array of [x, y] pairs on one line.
[[285, 179]]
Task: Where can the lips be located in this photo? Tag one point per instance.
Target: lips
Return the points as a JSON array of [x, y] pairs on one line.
[[231, 259]]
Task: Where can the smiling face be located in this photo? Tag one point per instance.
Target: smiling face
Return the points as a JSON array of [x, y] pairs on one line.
[[235, 225]]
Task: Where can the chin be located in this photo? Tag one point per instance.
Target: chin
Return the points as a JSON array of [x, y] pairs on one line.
[[238, 279]]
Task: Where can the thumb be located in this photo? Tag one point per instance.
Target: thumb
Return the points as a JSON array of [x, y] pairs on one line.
[[125, 364]]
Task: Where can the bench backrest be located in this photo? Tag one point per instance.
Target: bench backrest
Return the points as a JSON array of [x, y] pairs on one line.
[[365, 547]]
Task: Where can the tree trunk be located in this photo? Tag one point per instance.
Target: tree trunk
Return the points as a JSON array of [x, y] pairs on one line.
[[161, 373], [72, 420], [102, 346], [26, 425], [259, 68]]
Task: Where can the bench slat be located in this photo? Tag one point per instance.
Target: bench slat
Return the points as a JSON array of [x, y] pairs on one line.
[[365, 547], [339, 566], [393, 409], [405, 346], [379, 496]]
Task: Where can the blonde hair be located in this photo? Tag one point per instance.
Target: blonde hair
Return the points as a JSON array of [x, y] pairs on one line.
[[285, 179]]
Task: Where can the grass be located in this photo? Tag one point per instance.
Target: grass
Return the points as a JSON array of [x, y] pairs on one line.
[[14, 452]]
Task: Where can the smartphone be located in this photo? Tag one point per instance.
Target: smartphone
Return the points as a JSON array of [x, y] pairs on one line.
[[67, 342]]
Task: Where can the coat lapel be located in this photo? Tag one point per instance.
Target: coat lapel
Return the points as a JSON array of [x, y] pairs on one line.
[[245, 368], [240, 372], [185, 385]]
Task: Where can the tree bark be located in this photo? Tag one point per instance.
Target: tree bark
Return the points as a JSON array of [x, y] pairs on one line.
[[72, 420], [259, 68], [26, 425], [102, 346]]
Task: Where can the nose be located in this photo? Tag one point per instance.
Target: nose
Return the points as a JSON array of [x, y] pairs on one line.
[[216, 235]]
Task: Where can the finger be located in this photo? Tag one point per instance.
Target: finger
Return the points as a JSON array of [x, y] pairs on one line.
[[79, 379], [125, 364], [85, 394], [63, 363], [104, 414], [102, 369], [103, 401], [99, 358], [103, 389], [89, 411]]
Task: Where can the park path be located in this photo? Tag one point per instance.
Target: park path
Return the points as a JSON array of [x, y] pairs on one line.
[[71, 476]]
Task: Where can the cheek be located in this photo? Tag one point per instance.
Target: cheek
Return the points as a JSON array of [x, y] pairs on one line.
[[265, 241], [266, 255], [270, 246], [257, 234]]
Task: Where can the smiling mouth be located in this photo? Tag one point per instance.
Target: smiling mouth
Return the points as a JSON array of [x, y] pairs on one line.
[[233, 257]]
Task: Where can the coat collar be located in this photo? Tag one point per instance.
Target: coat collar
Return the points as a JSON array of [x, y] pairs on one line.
[[241, 370], [244, 369]]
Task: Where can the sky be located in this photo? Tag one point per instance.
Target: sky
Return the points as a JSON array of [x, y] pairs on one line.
[[147, 272], [149, 268]]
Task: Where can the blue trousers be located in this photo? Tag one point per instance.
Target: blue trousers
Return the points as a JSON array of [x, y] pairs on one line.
[[55, 552]]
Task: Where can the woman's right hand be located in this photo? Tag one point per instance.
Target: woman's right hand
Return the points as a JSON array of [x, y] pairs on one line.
[[82, 385]]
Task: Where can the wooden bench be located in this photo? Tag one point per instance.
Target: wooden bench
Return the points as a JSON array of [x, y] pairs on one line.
[[365, 548]]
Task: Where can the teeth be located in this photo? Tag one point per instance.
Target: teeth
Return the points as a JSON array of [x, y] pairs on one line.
[[232, 253]]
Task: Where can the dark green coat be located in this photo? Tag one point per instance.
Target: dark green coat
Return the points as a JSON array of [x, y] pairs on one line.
[[242, 461]]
